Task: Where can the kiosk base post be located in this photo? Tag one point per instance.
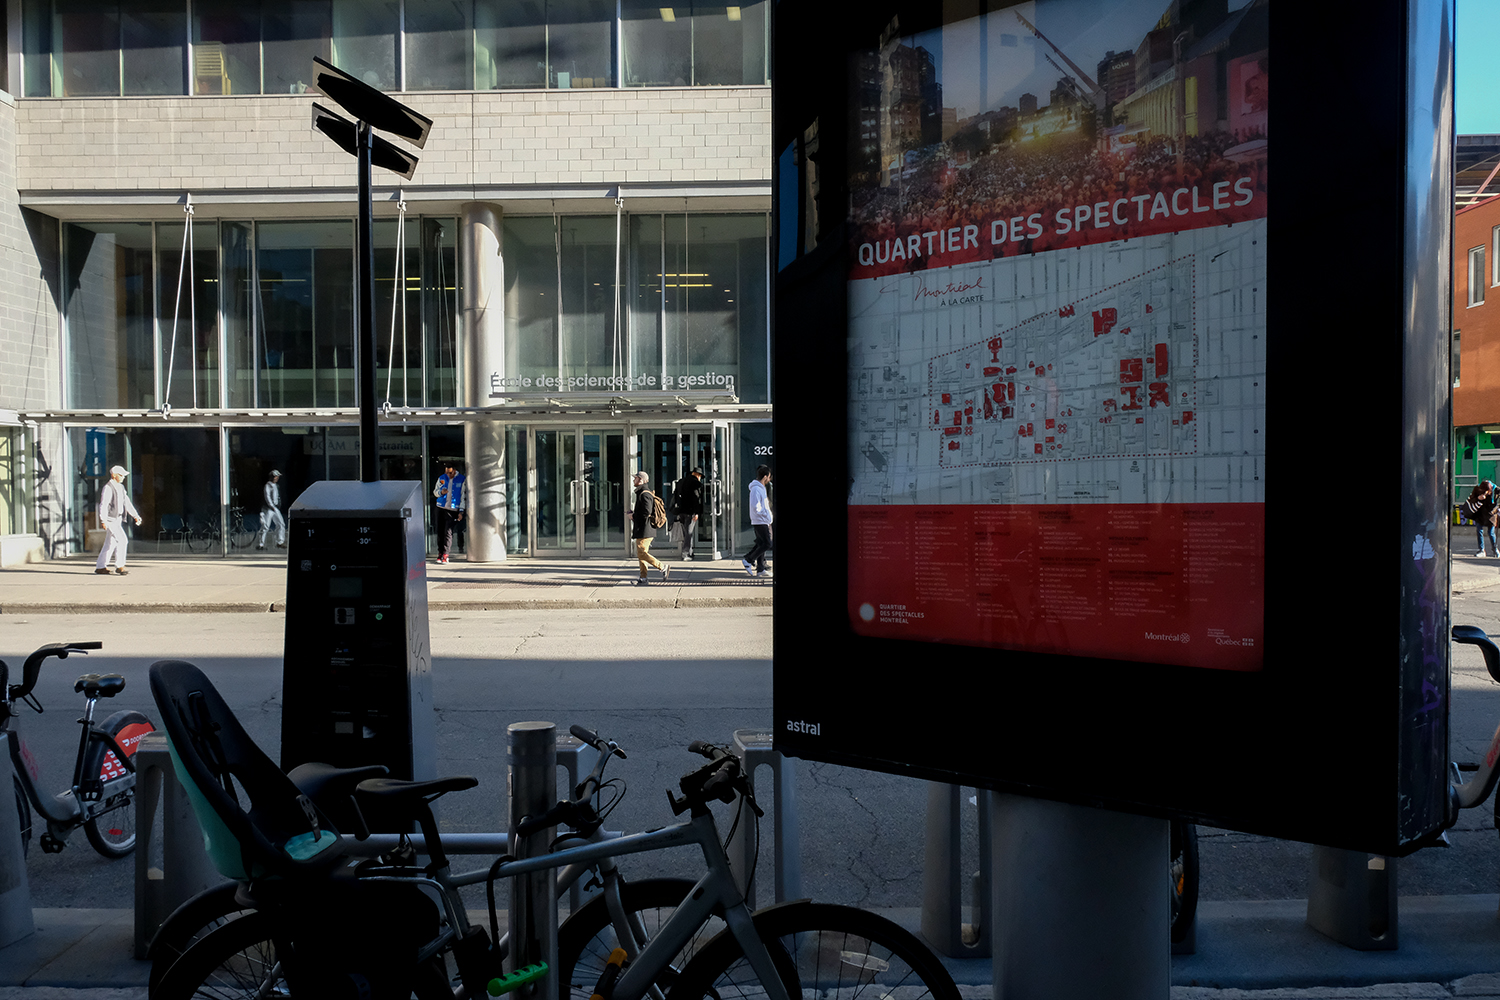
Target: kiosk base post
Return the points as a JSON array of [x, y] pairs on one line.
[[1080, 902]]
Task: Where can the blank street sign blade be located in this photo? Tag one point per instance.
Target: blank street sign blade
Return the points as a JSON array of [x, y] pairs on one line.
[[383, 153], [367, 104]]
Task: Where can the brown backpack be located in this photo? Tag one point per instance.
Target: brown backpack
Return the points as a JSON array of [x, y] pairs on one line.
[[658, 511]]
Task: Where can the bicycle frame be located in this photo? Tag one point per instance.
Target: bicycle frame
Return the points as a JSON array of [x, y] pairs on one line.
[[61, 823], [715, 892]]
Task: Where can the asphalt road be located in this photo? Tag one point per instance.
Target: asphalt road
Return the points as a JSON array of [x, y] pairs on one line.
[[652, 681]]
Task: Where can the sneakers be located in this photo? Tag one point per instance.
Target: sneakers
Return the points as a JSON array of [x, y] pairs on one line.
[[101, 572], [665, 572], [120, 571], [442, 559], [748, 568], [642, 582], [1480, 553]]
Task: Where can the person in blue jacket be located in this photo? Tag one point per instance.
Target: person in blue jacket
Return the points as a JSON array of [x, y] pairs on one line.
[[449, 512]]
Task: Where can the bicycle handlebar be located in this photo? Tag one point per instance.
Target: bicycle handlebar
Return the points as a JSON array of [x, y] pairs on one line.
[[32, 668], [577, 812]]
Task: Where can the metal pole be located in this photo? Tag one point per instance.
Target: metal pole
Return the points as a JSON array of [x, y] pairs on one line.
[[369, 445], [533, 899]]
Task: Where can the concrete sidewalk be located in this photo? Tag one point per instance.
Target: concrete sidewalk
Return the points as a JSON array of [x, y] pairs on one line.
[[258, 584]]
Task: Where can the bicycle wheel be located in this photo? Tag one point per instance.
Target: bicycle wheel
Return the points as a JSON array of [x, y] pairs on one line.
[[23, 810], [243, 532], [237, 959], [822, 950], [199, 916], [1183, 870], [112, 830], [201, 538], [586, 938]]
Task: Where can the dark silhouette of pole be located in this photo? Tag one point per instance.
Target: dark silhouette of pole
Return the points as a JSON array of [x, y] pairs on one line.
[[369, 426]]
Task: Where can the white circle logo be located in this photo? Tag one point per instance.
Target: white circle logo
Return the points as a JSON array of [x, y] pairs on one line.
[[867, 612]]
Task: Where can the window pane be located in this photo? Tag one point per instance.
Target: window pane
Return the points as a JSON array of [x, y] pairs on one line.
[[715, 290], [307, 313], [589, 346], [294, 32], [398, 330], [510, 44], [189, 343], [88, 32], [364, 40], [108, 310], [658, 44], [530, 299], [241, 344], [729, 45], [226, 50], [440, 309], [646, 293], [36, 42], [153, 41], [438, 45], [579, 46]]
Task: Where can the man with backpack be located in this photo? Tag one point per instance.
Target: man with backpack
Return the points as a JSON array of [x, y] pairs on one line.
[[649, 515]]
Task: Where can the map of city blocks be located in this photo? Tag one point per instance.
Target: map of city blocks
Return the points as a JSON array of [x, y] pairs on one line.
[[1130, 372]]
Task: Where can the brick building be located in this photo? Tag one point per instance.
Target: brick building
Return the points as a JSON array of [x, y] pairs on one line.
[[616, 155]]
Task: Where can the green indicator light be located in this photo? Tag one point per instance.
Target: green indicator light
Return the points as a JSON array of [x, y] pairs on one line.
[[379, 615]]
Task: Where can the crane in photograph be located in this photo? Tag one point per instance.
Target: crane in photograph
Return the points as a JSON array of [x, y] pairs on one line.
[[1092, 91]]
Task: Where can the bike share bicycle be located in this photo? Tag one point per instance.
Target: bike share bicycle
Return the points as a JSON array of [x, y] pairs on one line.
[[101, 799], [385, 928]]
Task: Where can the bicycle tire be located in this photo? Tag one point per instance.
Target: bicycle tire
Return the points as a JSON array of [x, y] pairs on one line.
[[23, 810], [237, 959], [242, 535], [201, 539], [112, 831], [1183, 872], [828, 950], [194, 919], [586, 938]]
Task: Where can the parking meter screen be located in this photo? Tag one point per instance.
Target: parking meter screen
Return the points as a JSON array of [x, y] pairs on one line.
[[1057, 332]]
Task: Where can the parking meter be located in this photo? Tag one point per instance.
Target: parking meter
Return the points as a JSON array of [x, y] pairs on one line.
[[357, 671]]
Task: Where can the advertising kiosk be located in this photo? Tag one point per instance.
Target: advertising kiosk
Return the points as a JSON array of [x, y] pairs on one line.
[[1133, 475]]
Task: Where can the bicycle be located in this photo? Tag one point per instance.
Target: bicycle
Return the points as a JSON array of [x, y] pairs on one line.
[[206, 536], [101, 799], [390, 926]]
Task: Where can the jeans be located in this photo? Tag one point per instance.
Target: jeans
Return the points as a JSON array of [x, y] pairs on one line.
[[1487, 528]]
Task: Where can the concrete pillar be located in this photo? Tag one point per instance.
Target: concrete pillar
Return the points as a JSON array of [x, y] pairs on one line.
[[1080, 901], [482, 359]]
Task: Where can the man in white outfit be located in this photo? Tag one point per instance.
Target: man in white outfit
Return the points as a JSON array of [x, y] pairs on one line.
[[270, 513], [114, 507]]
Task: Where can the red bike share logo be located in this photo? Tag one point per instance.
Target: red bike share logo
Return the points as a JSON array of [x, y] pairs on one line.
[[127, 738]]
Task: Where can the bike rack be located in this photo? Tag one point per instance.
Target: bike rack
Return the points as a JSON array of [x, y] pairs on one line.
[[943, 881], [183, 869], [753, 747]]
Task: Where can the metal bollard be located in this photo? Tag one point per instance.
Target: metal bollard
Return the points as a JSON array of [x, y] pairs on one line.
[[533, 898], [183, 869], [15, 890], [576, 757], [1351, 897], [943, 880], [753, 746]]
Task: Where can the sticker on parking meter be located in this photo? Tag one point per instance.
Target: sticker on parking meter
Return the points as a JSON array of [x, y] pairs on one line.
[[1057, 359]]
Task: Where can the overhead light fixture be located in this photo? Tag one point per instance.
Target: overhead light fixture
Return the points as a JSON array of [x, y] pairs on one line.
[[734, 13], [668, 14]]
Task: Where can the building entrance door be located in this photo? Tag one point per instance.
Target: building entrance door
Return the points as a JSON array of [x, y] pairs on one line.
[[670, 453], [581, 501]]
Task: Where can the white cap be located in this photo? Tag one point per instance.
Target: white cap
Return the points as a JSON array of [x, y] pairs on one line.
[[119, 470], [274, 474]]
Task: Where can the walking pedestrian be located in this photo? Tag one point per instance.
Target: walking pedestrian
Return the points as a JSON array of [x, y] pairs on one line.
[[760, 521], [114, 507], [270, 513], [1481, 509], [449, 512], [687, 505], [643, 525]]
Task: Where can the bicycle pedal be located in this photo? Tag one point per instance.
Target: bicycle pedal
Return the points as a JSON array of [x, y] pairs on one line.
[[504, 984], [51, 845]]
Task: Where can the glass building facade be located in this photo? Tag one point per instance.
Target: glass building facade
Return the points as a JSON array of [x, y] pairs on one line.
[[102, 48]]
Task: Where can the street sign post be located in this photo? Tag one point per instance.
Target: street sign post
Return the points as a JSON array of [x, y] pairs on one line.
[[373, 111]]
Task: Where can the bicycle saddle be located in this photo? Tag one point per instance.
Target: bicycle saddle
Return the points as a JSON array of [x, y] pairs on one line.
[[100, 685], [397, 790]]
